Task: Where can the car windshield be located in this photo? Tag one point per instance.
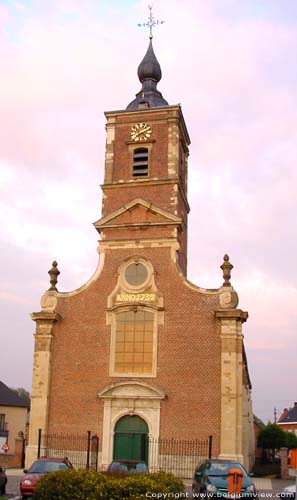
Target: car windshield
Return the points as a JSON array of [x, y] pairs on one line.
[[44, 466], [130, 467], [222, 469]]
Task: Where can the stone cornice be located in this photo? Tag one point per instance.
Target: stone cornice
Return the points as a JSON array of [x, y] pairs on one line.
[[173, 111], [236, 314], [135, 183], [45, 316]]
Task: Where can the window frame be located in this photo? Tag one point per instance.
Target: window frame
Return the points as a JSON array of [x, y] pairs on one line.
[[145, 151], [112, 370], [2, 422]]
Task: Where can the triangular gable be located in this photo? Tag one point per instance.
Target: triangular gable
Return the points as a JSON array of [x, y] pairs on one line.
[[138, 212]]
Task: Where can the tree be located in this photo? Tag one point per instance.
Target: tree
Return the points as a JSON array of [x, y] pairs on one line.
[[22, 393], [272, 437], [291, 440]]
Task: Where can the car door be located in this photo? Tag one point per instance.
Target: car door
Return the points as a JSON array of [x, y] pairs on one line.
[[197, 485]]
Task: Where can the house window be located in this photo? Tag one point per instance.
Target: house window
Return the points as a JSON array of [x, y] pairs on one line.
[[140, 162], [134, 333], [2, 421]]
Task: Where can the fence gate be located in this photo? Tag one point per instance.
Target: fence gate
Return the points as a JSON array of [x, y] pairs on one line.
[[82, 450]]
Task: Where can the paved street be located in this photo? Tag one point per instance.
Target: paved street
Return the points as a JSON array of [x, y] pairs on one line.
[[13, 482], [267, 488]]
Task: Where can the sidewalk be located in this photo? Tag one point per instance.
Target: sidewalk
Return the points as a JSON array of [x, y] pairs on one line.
[[14, 472]]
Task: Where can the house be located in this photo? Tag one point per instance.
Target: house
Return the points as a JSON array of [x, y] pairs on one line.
[[139, 355], [288, 419], [13, 426]]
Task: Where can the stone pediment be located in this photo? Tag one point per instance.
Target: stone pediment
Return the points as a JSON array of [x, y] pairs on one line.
[[131, 389], [138, 212]]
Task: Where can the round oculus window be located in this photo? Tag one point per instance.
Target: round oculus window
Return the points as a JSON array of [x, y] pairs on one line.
[[136, 274]]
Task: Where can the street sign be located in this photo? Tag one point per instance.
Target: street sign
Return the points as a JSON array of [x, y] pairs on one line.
[[5, 447]]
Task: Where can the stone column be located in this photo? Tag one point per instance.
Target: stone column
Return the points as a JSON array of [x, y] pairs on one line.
[[231, 446], [284, 463], [45, 321]]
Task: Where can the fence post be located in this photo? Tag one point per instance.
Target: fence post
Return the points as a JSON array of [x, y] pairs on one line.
[[94, 451], [210, 447], [39, 443], [89, 449]]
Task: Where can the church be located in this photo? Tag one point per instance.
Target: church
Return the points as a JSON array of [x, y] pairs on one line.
[[139, 354]]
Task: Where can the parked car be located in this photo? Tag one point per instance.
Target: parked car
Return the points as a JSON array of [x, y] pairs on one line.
[[3, 481], [211, 479], [127, 467], [37, 470], [289, 492]]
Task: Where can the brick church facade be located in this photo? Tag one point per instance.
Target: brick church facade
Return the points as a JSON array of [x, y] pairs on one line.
[[138, 340]]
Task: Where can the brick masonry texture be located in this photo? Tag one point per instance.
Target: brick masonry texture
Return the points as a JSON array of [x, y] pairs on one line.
[[188, 366], [188, 345]]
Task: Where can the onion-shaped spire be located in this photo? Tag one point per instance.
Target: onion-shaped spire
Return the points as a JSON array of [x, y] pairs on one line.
[[149, 74], [149, 68]]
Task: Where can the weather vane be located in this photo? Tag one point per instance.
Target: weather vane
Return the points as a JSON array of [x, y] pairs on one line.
[[151, 21]]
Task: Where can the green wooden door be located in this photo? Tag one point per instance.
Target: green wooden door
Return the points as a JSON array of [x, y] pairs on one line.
[[131, 439]]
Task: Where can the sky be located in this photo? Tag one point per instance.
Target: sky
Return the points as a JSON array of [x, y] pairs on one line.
[[232, 66]]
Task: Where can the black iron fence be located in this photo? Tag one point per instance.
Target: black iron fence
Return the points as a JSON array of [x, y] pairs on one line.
[[178, 456], [82, 450]]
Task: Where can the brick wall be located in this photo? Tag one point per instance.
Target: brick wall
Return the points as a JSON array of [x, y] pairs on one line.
[[188, 355]]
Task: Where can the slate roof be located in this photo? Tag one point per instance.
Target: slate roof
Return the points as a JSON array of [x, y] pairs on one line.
[[149, 74], [290, 416], [10, 398]]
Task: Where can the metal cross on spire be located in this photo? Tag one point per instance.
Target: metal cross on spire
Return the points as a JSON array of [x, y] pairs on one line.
[[152, 22]]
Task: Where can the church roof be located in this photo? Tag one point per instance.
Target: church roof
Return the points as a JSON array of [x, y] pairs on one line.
[[149, 74], [9, 398]]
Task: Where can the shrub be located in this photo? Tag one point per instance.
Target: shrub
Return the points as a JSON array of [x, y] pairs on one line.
[[91, 485]]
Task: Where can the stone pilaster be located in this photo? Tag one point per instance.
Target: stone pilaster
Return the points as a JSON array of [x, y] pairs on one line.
[[45, 321], [231, 382]]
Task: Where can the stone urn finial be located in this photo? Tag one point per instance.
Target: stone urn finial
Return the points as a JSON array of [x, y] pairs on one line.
[[226, 268], [54, 273]]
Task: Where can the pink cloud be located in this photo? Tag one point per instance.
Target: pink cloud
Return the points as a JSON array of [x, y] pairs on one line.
[[15, 299], [235, 78]]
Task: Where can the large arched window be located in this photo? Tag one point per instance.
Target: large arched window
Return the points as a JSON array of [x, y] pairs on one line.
[[134, 334], [140, 162]]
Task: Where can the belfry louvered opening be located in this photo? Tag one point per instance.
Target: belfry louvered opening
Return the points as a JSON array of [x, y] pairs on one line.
[[140, 162]]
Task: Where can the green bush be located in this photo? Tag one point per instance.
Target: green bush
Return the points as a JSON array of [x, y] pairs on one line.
[[91, 485]]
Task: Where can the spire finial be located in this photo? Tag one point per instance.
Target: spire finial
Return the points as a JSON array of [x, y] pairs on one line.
[[226, 268], [152, 22], [54, 273]]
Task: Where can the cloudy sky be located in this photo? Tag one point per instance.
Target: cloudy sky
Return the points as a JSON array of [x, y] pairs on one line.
[[232, 66]]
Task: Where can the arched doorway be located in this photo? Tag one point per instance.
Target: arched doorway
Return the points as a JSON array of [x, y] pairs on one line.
[[131, 439]]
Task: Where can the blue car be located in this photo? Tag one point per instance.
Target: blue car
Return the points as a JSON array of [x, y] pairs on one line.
[[211, 480]]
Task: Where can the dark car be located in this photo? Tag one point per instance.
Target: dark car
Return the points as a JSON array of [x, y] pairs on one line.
[[127, 467], [289, 492], [3, 481], [211, 479], [37, 470]]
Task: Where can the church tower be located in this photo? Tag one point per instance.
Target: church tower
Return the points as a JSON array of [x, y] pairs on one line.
[[139, 355], [145, 184]]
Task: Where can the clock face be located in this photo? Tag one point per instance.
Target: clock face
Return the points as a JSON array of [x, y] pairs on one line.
[[140, 132]]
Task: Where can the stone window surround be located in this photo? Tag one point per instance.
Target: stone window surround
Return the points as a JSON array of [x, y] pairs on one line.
[[141, 144], [112, 372], [156, 309]]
